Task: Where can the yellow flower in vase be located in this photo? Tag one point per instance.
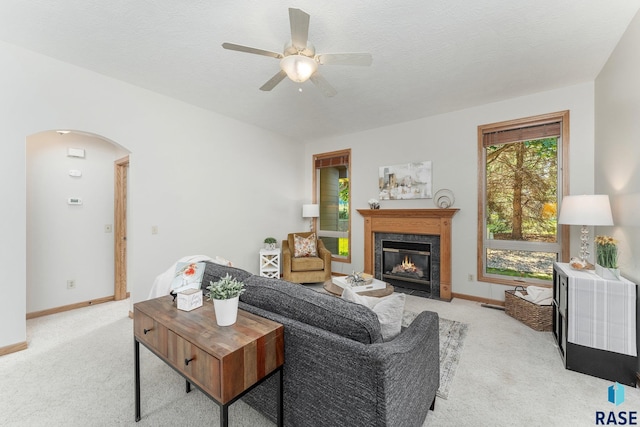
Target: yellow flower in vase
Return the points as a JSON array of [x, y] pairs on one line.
[[606, 251]]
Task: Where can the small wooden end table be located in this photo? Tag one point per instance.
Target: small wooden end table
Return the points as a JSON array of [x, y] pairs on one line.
[[331, 287], [224, 362]]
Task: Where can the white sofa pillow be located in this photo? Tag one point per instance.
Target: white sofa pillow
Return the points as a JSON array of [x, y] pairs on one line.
[[388, 309]]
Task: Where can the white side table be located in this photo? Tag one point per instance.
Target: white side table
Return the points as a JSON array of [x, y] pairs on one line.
[[270, 263], [594, 324]]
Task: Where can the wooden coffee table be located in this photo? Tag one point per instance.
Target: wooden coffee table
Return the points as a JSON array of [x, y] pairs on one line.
[[331, 287], [223, 362]]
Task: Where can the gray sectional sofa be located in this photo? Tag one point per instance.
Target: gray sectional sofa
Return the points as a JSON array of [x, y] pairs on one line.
[[338, 371]]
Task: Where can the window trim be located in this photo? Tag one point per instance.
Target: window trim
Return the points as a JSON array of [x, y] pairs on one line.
[[562, 116], [322, 158]]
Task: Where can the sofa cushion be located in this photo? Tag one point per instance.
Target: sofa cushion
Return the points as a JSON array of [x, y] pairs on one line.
[[305, 305], [307, 264], [388, 309]]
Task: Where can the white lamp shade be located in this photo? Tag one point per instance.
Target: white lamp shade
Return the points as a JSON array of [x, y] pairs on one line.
[[298, 67], [586, 210], [310, 211]]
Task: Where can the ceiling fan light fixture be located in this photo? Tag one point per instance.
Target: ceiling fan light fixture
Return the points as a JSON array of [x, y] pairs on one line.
[[298, 67]]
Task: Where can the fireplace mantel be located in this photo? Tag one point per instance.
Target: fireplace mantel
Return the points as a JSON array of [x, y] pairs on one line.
[[435, 222]]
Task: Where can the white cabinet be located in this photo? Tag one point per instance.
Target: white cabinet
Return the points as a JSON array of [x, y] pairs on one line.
[[270, 263], [595, 324]]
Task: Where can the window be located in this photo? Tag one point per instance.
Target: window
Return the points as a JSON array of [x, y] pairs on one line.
[[522, 176], [332, 192]]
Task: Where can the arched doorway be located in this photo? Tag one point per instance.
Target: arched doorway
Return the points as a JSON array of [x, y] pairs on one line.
[[72, 192]]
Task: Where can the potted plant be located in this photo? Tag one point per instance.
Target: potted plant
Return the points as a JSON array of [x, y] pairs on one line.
[[607, 257], [270, 243], [225, 294]]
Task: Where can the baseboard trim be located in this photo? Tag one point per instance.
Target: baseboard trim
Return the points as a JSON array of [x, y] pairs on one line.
[[13, 348], [69, 307], [479, 299]]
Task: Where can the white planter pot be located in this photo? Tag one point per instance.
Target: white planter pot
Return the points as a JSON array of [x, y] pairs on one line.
[[226, 311], [269, 246]]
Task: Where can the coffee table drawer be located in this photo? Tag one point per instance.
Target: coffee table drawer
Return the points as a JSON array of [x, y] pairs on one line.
[[150, 332], [198, 365]]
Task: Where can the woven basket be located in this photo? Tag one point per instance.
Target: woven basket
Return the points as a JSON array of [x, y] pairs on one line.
[[537, 317]]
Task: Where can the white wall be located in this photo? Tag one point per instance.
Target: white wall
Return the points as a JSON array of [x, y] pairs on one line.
[[617, 147], [68, 242], [450, 141], [202, 178], [212, 185]]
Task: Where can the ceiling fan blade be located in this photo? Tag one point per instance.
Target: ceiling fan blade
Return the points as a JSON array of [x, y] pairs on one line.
[[364, 59], [299, 21], [273, 81], [247, 49], [323, 84]]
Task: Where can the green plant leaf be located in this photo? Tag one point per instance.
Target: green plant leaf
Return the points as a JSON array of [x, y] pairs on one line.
[[225, 288]]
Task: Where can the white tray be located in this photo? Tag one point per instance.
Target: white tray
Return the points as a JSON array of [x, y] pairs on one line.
[[342, 282]]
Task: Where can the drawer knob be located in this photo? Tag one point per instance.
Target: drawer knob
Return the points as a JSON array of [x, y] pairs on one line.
[[147, 330], [186, 361]]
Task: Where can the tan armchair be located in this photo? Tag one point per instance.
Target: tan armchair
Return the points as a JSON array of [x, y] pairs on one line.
[[305, 269]]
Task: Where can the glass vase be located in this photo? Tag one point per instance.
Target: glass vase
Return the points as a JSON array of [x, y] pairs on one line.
[[607, 272]]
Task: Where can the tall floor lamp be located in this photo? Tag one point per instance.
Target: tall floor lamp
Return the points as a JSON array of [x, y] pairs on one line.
[[310, 211], [585, 210]]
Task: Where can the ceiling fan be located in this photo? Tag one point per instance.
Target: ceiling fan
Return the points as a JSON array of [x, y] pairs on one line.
[[299, 60]]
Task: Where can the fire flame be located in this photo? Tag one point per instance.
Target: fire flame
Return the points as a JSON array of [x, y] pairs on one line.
[[407, 265]]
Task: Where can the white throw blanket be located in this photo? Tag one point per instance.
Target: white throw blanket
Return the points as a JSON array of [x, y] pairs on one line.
[[162, 283], [537, 295]]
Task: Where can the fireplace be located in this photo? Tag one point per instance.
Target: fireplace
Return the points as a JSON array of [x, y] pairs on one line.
[[410, 261], [406, 262], [432, 226]]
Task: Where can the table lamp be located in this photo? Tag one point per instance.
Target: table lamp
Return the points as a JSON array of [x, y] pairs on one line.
[[310, 211], [585, 210]]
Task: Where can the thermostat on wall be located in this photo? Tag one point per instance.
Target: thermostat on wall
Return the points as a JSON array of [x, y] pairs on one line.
[[74, 201], [75, 172], [75, 152]]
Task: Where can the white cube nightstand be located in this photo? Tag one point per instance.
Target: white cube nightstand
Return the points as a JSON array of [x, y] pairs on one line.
[[270, 263]]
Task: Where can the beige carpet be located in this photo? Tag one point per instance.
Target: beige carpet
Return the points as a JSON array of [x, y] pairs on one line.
[[452, 334], [78, 371]]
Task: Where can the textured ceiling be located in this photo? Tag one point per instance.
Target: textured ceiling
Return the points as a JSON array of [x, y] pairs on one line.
[[429, 56]]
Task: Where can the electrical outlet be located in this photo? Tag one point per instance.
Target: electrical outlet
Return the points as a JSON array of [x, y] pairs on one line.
[[470, 278], [71, 284], [154, 229], [108, 228]]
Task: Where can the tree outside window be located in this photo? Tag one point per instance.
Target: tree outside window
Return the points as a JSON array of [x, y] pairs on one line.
[[332, 193], [521, 187]]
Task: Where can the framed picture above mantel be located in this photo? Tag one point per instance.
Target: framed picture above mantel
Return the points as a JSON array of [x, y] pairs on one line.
[[405, 181]]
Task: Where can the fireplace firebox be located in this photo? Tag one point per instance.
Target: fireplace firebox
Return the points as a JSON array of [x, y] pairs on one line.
[[409, 261], [406, 262]]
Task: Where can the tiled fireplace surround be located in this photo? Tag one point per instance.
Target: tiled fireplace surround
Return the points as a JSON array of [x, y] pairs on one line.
[[416, 222]]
